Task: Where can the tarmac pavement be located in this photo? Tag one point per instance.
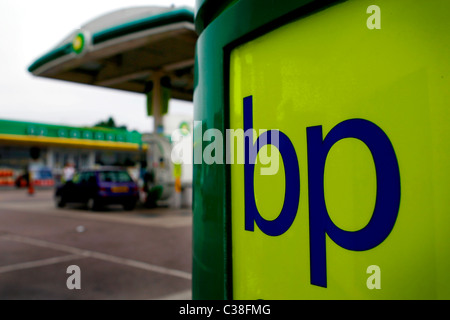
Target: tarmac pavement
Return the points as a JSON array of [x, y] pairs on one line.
[[140, 254]]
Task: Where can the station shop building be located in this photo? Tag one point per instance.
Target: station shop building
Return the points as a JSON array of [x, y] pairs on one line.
[[53, 146]]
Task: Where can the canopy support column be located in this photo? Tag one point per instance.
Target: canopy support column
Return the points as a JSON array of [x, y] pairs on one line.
[[157, 101]]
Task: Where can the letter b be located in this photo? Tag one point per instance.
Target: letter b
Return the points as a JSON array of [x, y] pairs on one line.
[[292, 177]]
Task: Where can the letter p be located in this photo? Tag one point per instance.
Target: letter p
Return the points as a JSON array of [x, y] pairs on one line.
[[387, 200]]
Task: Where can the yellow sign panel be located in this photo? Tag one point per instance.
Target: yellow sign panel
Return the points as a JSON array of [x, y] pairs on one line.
[[351, 199]]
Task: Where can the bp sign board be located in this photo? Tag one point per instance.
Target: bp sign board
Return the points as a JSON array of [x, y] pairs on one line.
[[350, 200]]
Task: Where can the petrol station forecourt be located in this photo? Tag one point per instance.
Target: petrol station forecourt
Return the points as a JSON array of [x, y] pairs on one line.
[[360, 108]]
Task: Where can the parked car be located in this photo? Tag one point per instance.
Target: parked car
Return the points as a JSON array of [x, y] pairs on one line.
[[99, 187], [42, 177]]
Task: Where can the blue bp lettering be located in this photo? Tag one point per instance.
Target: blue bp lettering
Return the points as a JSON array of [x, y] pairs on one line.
[[387, 201], [292, 177]]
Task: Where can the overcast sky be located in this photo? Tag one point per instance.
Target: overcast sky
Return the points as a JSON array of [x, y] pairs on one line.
[[29, 29]]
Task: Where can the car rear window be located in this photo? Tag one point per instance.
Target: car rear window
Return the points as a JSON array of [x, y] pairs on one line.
[[114, 176]]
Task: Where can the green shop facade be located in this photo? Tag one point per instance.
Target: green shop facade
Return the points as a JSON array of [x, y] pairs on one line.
[[55, 145]]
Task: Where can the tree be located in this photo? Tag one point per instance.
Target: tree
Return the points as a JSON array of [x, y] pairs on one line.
[[110, 124]]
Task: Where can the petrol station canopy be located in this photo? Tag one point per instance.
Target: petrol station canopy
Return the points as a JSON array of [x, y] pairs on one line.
[[134, 49]]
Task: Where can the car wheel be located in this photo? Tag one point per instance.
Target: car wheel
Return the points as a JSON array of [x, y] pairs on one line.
[[92, 204], [59, 201], [129, 205]]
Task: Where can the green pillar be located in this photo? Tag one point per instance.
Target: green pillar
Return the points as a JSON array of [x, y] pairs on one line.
[[358, 205]]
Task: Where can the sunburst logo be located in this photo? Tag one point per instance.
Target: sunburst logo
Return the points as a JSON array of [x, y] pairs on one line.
[[184, 128], [78, 43]]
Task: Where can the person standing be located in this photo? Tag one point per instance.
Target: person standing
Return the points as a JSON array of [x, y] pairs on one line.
[[68, 172]]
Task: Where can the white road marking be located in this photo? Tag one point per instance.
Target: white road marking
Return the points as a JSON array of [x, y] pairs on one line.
[[101, 256], [128, 218], [38, 263]]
